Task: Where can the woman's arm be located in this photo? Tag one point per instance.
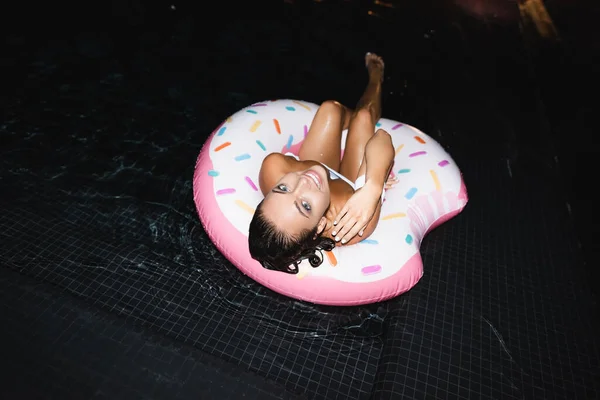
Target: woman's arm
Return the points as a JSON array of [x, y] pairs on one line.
[[379, 156], [360, 214]]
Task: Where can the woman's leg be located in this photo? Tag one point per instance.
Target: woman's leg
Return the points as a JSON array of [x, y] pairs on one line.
[[324, 138], [363, 119]]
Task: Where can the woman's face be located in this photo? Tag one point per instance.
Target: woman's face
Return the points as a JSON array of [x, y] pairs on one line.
[[299, 200]]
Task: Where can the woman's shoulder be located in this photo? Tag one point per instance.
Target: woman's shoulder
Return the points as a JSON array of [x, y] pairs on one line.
[[273, 166], [280, 160], [275, 158], [277, 163], [282, 164]]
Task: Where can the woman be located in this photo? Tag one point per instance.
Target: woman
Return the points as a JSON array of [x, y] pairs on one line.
[[315, 201]]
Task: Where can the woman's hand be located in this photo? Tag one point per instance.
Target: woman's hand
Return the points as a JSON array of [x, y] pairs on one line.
[[391, 181], [357, 212]]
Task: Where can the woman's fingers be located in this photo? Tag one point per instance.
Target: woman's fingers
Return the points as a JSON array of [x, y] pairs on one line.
[[341, 223], [341, 215], [352, 227], [345, 221], [342, 234], [391, 182], [352, 232]]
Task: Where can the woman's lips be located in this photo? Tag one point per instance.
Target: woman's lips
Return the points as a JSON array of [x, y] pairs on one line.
[[315, 177]]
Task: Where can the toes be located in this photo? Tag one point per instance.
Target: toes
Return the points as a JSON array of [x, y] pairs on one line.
[[372, 57]]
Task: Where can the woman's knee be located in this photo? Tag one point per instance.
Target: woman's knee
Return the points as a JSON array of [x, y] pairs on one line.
[[385, 136], [331, 107], [383, 132]]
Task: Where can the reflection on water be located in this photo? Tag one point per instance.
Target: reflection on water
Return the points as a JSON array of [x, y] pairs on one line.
[[534, 12], [502, 10], [529, 13], [383, 4]]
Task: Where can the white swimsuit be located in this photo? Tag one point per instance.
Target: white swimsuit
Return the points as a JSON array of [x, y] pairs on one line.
[[333, 174]]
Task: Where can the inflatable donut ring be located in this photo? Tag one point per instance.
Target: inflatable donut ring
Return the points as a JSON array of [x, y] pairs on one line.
[[429, 192]]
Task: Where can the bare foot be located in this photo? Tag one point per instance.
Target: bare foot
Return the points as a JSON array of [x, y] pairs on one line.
[[375, 66]]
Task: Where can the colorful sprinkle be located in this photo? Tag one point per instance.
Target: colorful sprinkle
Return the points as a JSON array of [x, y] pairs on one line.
[[252, 111], [261, 145], [302, 105], [277, 127], [229, 119], [259, 105], [221, 131], [396, 126], [225, 191], [331, 258], [212, 172], [436, 181], [408, 239], [404, 171], [443, 163], [393, 216], [399, 148], [242, 157], [411, 193], [252, 185], [255, 126], [378, 124], [244, 206], [290, 141], [305, 130], [371, 269], [290, 108], [418, 153], [222, 146], [369, 241], [419, 139]]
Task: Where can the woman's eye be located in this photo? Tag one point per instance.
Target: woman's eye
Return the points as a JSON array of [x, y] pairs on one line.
[[282, 187], [306, 206]]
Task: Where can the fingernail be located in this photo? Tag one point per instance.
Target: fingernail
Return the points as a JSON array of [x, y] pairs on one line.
[[337, 238], [343, 241], [335, 222], [333, 233]]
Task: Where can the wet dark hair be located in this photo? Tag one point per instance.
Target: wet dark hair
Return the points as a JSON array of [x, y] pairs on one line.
[[280, 251]]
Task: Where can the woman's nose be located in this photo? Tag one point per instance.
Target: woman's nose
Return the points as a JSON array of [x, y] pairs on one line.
[[302, 184]]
